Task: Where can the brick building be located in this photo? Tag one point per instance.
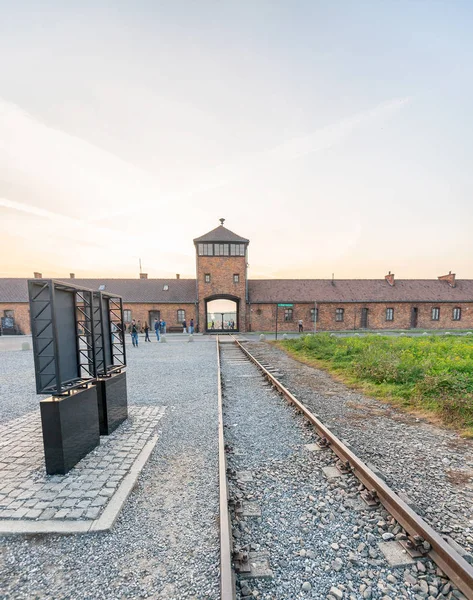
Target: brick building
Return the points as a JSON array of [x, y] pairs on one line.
[[222, 297]]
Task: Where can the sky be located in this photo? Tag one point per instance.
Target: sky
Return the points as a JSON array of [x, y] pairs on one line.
[[337, 136]]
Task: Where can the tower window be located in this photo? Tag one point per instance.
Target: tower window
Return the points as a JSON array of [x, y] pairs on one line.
[[236, 278], [457, 314], [435, 314], [221, 249], [288, 314], [206, 249], [339, 314], [207, 278], [181, 316], [237, 249], [390, 314]]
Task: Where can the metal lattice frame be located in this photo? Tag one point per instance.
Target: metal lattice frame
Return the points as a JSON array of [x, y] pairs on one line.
[[111, 327], [117, 332], [44, 331]]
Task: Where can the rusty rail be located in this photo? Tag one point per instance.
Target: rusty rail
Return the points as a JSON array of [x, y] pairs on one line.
[[227, 583], [451, 563]]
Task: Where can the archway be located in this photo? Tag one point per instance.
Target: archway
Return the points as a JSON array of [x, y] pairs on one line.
[[221, 314]]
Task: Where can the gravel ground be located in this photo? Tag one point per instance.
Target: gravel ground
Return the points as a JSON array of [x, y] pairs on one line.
[[319, 544], [433, 466], [165, 542]]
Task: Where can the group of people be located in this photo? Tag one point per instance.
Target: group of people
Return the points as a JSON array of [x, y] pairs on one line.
[[159, 329]]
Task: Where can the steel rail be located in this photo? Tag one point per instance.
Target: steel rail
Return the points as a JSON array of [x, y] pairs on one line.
[[444, 556], [227, 583]]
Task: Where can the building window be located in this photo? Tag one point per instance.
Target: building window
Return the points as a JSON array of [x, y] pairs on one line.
[[207, 278], [206, 249], [9, 314], [127, 316], [288, 314], [181, 316], [435, 314], [390, 314], [339, 314], [457, 314], [237, 249], [314, 314], [221, 249], [165, 287], [236, 278]]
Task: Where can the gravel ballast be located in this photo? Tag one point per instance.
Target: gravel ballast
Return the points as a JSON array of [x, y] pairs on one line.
[[432, 466], [165, 541], [319, 539]]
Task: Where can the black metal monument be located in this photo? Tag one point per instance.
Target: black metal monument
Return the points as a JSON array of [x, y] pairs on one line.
[[110, 360], [73, 349]]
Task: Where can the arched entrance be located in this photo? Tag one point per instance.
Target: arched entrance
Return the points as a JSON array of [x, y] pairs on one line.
[[222, 314]]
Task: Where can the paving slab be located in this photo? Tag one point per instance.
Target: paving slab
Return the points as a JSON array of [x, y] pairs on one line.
[[86, 498]]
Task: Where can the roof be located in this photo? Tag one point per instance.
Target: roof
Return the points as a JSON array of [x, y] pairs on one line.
[[131, 290], [268, 290], [359, 290], [221, 234]]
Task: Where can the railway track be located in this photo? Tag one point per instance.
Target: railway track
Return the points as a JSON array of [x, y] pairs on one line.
[[243, 468]]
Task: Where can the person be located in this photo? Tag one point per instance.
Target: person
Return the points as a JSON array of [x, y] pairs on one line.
[[156, 329], [134, 333], [146, 328], [184, 326], [213, 325], [301, 326], [191, 326]]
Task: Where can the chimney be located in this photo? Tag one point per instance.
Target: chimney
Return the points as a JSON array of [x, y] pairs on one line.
[[72, 275], [38, 275], [450, 278], [178, 276], [390, 278], [333, 278], [143, 275]]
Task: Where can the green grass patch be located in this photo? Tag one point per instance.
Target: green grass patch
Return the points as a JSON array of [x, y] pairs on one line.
[[431, 374]]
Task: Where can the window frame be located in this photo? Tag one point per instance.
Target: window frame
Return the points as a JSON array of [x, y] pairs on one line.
[[389, 313], [125, 312], [221, 249], [312, 312], [205, 249], [207, 278], [183, 311], [237, 249], [236, 277], [457, 313], [288, 315], [435, 313], [339, 315]]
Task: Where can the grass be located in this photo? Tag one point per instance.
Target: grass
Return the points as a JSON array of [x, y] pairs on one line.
[[430, 375]]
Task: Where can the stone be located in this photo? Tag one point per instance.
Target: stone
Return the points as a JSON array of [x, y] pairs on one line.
[[395, 554], [387, 536], [331, 472], [306, 586], [336, 593]]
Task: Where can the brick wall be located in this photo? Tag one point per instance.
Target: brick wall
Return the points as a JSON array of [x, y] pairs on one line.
[[21, 314], [262, 317], [221, 270], [168, 312]]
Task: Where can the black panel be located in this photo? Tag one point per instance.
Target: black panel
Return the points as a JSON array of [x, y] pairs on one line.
[[66, 333], [112, 402], [107, 346], [70, 429]]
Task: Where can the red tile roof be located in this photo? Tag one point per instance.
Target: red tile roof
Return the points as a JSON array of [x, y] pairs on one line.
[[131, 290], [359, 290]]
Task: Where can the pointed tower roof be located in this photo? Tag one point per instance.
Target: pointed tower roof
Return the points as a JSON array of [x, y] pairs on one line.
[[221, 234]]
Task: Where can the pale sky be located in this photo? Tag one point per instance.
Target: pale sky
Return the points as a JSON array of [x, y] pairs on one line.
[[337, 136]]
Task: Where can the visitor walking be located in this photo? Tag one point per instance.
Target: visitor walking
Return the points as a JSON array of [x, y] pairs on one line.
[[301, 326], [146, 328], [184, 326], [191, 326], [134, 333], [156, 329]]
